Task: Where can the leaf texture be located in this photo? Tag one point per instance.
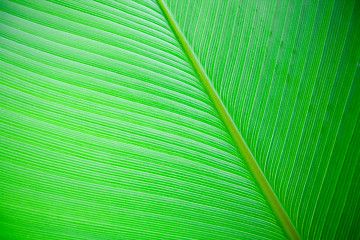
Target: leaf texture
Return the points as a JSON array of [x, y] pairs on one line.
[[107, 133], [289, 74]]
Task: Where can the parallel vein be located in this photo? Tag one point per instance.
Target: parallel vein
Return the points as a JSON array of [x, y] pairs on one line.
[[107, 133]]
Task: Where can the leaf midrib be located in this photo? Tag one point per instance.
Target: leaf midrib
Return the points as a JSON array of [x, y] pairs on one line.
[[230, 125]]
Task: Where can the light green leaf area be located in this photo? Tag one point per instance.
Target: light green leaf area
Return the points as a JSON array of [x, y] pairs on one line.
[[108, 132]]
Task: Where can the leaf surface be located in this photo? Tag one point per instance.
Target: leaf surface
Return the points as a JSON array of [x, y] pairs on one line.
[[108, 132], [289, 74]]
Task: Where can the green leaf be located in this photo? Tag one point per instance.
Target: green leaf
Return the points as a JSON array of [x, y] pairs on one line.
[[288, 72], [179, 119]]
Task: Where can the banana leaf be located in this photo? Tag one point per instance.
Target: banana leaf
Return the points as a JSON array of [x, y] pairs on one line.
[[179, 119]]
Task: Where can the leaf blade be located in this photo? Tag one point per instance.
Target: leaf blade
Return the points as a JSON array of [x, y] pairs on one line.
[[99, 144]]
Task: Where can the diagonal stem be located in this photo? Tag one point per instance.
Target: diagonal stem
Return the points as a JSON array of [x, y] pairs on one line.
[[234, 132]]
